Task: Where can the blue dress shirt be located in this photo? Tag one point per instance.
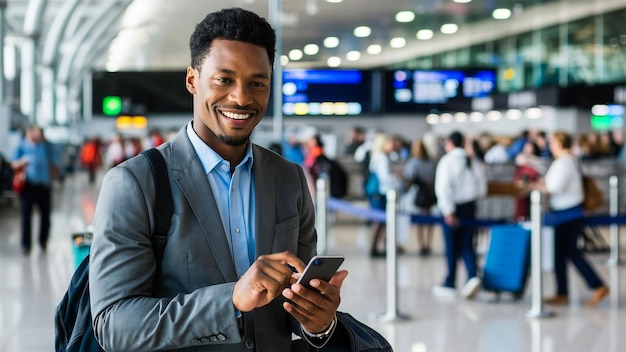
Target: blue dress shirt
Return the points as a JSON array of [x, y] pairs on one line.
[[234, 195]]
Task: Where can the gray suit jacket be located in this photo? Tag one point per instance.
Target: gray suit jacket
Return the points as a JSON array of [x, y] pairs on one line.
[[188, 304]]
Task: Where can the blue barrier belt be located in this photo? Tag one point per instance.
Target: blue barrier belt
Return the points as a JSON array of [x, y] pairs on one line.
[[549, 219]]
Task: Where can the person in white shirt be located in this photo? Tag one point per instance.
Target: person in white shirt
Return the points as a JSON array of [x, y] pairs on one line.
[[563, 181], [459, 182]]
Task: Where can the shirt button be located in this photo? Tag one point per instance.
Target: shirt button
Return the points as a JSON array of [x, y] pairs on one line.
[[249, 343], [237, 230]]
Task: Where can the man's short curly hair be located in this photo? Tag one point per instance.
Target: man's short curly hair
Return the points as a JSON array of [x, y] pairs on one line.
[[457, 139], [231, 24]]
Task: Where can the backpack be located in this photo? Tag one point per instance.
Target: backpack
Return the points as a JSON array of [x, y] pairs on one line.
[[425, 196], [372, 185], [336, 173], [72, 318]]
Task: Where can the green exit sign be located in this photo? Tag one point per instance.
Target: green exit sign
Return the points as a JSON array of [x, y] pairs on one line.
[[112, 105]]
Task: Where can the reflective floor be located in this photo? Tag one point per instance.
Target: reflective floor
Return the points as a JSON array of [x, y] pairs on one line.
[[410, 317]]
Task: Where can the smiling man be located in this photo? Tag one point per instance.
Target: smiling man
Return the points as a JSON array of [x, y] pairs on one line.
[[242, 219]]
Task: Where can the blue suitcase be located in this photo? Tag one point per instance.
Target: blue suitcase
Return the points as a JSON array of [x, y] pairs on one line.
[[507, 261]]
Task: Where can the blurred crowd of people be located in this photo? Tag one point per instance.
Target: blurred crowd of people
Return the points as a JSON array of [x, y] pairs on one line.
[[424, 171], [455, 164], [44, 164], [402, 163]]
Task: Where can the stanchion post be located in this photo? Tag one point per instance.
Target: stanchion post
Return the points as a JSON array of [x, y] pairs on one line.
[[321, 213], [392, 313], [536, 276], [614, 258]]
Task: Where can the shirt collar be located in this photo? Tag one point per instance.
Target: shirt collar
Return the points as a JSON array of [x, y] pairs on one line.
[[208, 157], [458, 152]]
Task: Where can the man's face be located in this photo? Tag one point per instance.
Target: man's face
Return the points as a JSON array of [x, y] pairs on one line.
[[34, 134], [231, 92]]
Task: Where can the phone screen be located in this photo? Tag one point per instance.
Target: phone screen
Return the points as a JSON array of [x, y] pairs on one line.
[[321, 267]]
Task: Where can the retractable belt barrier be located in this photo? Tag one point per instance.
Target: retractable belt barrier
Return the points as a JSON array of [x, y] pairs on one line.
[[547, 219]]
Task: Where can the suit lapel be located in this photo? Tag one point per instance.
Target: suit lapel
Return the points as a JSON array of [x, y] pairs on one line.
[[187, 171], [265, 200]]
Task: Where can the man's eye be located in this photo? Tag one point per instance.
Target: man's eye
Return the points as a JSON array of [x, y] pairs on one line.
[[257, 84], [223, 80]]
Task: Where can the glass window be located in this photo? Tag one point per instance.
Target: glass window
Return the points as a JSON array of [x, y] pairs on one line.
[[551, 56], [510, 71], [591, 50], [481, 55], [581, 48], [614, 47]]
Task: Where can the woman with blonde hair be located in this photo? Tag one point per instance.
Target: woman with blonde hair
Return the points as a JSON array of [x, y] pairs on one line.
[[563, 182], [380, 167], [419, 171]]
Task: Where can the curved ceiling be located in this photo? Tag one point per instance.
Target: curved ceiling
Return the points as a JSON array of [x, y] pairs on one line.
[[153, 34]]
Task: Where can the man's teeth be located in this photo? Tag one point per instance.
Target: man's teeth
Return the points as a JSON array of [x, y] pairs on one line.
[[232, 115]]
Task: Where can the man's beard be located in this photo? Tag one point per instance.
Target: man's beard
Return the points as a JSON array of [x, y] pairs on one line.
[[232, 141]]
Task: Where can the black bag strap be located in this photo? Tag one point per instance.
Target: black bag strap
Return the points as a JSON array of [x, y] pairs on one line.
[[163, 201]]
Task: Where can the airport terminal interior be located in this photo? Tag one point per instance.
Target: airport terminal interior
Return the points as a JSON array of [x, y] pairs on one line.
[[104, 79]]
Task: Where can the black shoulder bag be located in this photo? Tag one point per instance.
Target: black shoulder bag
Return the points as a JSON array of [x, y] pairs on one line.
[[72, 318]]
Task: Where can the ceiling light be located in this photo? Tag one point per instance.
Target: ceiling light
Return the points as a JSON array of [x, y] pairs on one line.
[[353, 55], [112, 67], [462, 1], [331, 42], [446, 117], [476, 116], [405, 16], [284, 60], [449, 28], [311, 49], [362, 31], [334, 61], [494, 115], [534, 113], [424, 34], [398, 42], [334, 1], [514, 114], [295, 54], [501, 14], [374, 49], [432, 119], [460, 117]]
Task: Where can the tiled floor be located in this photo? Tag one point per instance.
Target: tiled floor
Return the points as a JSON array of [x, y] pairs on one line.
[[411, 318]]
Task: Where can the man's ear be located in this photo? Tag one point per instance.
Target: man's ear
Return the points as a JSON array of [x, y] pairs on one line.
[[190, 79]]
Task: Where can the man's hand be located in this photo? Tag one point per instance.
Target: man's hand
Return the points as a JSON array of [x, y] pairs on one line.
[[265, 280], [19, 164], [315, 310], [451, 220]]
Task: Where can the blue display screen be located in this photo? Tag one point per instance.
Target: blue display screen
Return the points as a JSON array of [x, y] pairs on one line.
[[479, 84], [323, 76], [412, 89], [326, 92]]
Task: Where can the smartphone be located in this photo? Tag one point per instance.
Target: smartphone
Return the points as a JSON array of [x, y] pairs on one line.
[[321, 267]]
